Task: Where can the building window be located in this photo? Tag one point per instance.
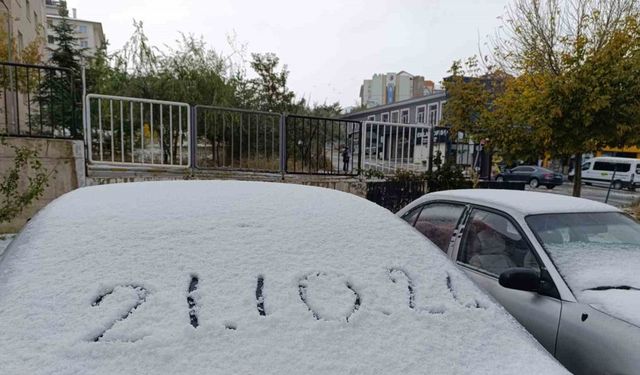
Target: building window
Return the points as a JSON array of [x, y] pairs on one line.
[[28, 9], [442, 104], [51, 39], [385, 117], [432, 115], [371, 118], [394, 117], [404, 116], [35, 19], [421, 115], [84, 44], [82, 29]]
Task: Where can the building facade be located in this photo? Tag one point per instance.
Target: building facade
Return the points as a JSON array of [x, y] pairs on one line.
[[390, 88], [426, 110], [24, 21], [89, 33]]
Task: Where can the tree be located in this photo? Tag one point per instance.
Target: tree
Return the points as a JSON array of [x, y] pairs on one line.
[[575, 75], [59, 90], [271, 84]]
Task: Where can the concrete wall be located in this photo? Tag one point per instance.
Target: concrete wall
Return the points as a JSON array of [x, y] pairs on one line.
[[110, 175], [66, 157]]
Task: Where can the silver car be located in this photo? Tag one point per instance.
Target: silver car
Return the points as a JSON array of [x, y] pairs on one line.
[[568, 269]]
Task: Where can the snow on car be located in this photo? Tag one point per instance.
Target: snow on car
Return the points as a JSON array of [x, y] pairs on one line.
[[237, 277], [564, 267]]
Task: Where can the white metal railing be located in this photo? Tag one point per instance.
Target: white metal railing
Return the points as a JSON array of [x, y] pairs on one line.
[[388, 147], [135, 131]]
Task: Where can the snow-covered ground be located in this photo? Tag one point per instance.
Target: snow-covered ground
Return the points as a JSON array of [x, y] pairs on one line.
[[225, 277]]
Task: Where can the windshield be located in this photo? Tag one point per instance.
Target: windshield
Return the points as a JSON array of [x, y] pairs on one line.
[[592, 251]]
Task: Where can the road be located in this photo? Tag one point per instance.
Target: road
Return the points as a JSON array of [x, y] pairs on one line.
[[618, 198]]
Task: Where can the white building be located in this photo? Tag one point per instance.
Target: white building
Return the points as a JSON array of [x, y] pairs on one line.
[[89, 33], [24, 21], [389, 88]]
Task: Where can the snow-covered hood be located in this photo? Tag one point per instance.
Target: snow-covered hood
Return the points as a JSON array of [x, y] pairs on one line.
[[240, 278], [594, 271], [622, 304]]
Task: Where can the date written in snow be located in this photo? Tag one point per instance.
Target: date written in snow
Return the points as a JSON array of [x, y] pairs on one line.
[[395, 276]]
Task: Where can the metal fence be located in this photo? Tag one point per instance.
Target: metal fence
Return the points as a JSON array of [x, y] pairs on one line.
[[316, 145], [389, 146], [237, 139], [38, 101], [133, 131]]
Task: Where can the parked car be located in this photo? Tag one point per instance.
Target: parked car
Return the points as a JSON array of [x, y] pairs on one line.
[[564, 267], [203, 277], [532, 175], [600, 171]]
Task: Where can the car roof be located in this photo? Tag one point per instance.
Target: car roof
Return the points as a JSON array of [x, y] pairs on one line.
[[345, 287], [613, 158], [523, 202]]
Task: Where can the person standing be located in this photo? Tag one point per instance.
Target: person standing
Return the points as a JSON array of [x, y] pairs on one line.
[[345, 159]]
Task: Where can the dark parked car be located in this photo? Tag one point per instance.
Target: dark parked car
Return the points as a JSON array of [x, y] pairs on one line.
[[532, 175]]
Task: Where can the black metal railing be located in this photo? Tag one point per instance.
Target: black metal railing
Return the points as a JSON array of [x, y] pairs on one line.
[[236, 139], [38, 101], [316, 145]]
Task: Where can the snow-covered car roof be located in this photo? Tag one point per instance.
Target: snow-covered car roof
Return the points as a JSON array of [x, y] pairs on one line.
[[205, 277], [524, 202]]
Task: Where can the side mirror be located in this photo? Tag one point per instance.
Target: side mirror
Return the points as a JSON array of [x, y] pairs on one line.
[[520, 279], [508, 170]]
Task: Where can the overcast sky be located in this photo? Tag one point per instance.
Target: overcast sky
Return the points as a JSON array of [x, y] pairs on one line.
[[330, 46]]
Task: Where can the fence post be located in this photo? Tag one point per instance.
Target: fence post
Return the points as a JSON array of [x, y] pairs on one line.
[[283, 145], [363, 151], [192, 138], [431, 143]]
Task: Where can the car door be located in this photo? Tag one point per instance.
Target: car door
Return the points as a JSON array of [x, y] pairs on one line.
[[622, 172], [602, 172], [521, 174], [491, 242], [437, 221]]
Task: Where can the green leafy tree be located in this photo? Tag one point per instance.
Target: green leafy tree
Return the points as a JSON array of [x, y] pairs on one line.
[[271, 84], [574, 78], [59, 92]]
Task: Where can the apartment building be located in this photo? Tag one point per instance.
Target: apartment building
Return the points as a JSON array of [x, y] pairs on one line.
[[89, 33], [24, 22], [390, 88]]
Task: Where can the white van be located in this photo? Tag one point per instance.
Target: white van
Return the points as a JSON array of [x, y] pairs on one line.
[[600, 171]]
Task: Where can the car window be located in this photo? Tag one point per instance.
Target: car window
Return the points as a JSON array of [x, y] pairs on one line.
[[523, 169], [493, 244], [586, 166], [410, 217], [623, 167], [603, 166], [437, 221]]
